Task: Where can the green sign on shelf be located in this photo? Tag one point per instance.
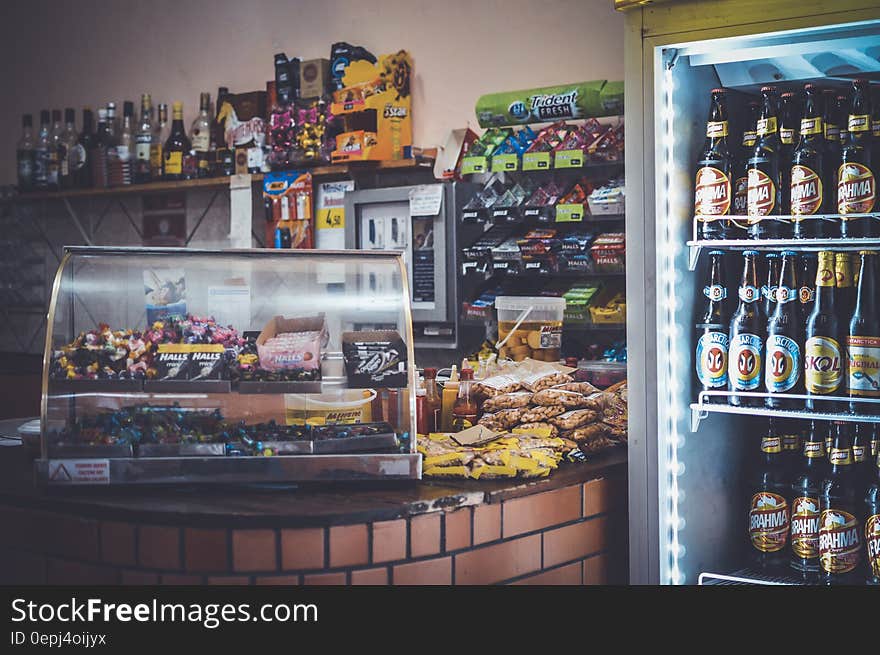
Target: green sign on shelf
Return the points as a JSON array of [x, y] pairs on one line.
[[572, 213], [569, 159], [503, 163], [536, 161], [471, 165]]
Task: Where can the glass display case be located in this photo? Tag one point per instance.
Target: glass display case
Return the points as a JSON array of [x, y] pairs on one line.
[[165, 365]]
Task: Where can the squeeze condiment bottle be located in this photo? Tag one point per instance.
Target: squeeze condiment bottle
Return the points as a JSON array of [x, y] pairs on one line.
[[432, 402], [450, 393], [464, 412]]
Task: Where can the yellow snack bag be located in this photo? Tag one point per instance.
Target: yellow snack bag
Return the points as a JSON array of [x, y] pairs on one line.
[[489, 471], [537, 432], [537, 473], [458, 458], [524, 464], [447, 472]]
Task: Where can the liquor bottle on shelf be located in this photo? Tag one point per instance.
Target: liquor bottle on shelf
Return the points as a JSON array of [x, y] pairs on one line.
[[863, 338], [746, 336], [789, 121], [739, 229], [143, 142], [160, 135], [765, 193], [713, 323], [24, 154], [768, 289], [54, 170], [840, 545], [807, 195], [807, 282], [856, 182], [805, 504], [42, 149], [67, 150], [224, 156], [101, 145], [177, 146], [782, 369], [120, 161], [200, 135], [768, 508], [714, 170], [872, 526], [823, 352], [81, 163], [112, 120]]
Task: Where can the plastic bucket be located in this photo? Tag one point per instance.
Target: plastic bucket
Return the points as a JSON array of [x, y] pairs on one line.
[[346, 406]]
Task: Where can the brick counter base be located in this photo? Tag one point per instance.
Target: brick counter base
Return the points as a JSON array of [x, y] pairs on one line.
[[571, 535]]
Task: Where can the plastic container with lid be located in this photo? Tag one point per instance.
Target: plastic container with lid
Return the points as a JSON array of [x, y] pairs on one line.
[[539, 333]]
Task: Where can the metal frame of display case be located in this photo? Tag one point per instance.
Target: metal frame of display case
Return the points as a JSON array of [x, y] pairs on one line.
[[212, 467]]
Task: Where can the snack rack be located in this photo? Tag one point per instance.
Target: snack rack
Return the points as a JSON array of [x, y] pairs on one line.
[[107, 417]]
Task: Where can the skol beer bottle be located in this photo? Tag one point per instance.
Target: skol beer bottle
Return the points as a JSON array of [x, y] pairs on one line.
[[806, 281], [856, 184], [712, 326], [872, 526], [765, 193], [846, 291], [746, 336], [712, 194], [863, 339], [768, 508], [739, 229], [782, 364], [806, 193], [789, 121], [823, 351], [805, 503], [772, 267], [840, 543]]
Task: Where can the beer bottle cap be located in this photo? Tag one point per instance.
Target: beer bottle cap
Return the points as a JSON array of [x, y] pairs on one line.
[[750, 252], [716, 252], [789, 253], [809, 87], [867, 252], [768, 89], [771, 255], [719, 90], [787, 94]]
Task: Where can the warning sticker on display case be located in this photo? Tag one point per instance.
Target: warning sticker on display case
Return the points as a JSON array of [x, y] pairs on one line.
[[79, 471]]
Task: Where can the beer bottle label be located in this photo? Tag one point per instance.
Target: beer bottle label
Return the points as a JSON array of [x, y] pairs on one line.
[[749, 138], [766, 126], [741, 196], [840, 456], [786, 135], [768, 522], [825, 274], [748, 293], [875, 129], [715, 129], [791, 443], [811, 126], [156, 156], [839, 541], [712, 195], [832, 132], [771, 445], [814, 450], [745, 358], [806, 295], [783, 363], [856, 189], [822, 371], [859, 123], [173, 163], [872, 539], [784, 294], [761, 193], [806, 191], [768, 293], [715, 292], [711, 359], [859, 454], [863, 354], [805, 527]]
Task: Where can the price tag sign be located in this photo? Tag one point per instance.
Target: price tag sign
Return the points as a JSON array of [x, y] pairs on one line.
[[536, 161], [569, 159], [471, 165], [504, 163], [572, 213]]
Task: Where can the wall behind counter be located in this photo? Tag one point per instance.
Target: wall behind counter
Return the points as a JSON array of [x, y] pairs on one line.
[[58, 54]]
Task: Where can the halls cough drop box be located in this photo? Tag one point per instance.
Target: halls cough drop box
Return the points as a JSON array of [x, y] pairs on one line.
[[305, 353]]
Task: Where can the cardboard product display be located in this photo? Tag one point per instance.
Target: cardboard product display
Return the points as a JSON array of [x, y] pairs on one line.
[[313, 77], [302, 350], [183, 361], [375, 358], [287, 199]]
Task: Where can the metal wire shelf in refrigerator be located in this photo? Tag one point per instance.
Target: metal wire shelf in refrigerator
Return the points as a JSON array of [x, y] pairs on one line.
[[703, 407], [747, 577], [696, 245]]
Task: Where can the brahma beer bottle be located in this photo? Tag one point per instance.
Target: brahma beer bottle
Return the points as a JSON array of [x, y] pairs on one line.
[[831, 125], [765, 192], [768, 290], [823, 352], [782, 368], [789, 121], [739, 229], [746, 337], [856, 185], [768, 509], [714, 170], [840, 544], [806, 282], [712, 325], [863, 339], [807, 195], [872, 526], [805, 504], [791, 445]]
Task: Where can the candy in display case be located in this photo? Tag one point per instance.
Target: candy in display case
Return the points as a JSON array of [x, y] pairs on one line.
[[166, 366]]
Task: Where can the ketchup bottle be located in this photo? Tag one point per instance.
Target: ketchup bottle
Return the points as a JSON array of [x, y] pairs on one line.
[[464, 411]]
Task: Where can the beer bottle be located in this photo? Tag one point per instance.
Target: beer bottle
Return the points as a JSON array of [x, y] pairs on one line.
[[805, 503], [807, 195], [856, 185], [791, 444], [714, 170], [712, 325], [846, 292], [741, 182], [840, 545], [831, 126], [829, 441], [863, 339], [768, 509], [806, 281], [746, 336], [875, 124], [768, 290], [765, 193], [872, 526], [782, 369], [823, 355], [841, 112], [875, 440], [863, 465], [789, 121]]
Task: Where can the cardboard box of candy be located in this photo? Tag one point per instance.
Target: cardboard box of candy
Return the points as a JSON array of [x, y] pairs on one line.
[[375, 358], [287, 343]]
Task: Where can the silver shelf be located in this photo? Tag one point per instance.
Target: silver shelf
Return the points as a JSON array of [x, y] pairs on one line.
[[703, 407], [696, 245], [747, 577]]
